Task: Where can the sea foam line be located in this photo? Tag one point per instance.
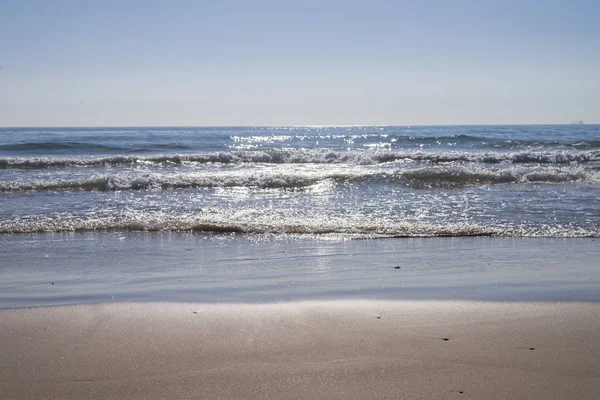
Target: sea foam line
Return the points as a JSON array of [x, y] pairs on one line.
[[132, 180], [304, 156], [331, 227], [428, 177]]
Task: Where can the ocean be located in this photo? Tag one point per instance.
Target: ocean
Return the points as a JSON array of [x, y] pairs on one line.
[[255, 214], [343, 182]]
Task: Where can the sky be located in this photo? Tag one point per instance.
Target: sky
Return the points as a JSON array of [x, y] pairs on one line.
[[260, 62]]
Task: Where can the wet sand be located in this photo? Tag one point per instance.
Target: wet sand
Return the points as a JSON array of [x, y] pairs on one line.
[[333, 349], [78, 268]]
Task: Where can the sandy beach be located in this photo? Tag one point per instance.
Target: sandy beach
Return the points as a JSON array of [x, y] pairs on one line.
[[299, 200], [336, 349]]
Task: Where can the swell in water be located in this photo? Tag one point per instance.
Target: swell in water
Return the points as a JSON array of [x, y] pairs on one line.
[[431, 177], [98, 141], [439, 177], [72, 146], [160, 181], [334, 227], [303, 156]]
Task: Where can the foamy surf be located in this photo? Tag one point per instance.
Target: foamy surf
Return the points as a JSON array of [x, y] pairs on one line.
[[303, 156], [536, 181], [301, 177]]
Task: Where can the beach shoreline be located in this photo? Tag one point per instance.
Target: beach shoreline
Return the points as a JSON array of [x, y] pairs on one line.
[[156, 315], [82, 268]]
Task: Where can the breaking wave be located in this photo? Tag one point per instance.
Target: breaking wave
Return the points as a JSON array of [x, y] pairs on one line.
[[334, 227], [438, 177], [430, 177], [158, 181], [301, 156]]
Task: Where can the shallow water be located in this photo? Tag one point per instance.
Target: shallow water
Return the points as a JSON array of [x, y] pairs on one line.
[[268, 214], [105, 267]]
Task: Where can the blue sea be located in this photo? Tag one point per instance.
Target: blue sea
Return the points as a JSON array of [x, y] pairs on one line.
[[280, 213], [356, 181]]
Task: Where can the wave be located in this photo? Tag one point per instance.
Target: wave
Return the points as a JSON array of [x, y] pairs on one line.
[[158, 181], [545, 157], [59, 146], [336, 228], [89, 148], [399, 140], [497, 142], [470, 175], [429, 177], [301, 156], [516, 144]]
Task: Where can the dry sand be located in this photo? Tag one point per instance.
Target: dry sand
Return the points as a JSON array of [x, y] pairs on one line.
[[345, 350]]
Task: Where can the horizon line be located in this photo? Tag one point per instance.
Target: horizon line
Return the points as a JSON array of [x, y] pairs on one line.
[[284, 126]]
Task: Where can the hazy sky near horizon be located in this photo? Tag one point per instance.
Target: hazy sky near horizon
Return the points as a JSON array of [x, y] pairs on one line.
[[260, 62]]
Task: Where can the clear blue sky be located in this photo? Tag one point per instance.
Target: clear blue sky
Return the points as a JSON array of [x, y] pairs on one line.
[[104, 62]]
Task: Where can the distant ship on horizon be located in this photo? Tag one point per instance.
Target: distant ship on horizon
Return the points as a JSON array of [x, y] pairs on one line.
[[580, 122]]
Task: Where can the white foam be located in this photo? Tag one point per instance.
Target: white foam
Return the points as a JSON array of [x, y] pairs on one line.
[[303, 156]]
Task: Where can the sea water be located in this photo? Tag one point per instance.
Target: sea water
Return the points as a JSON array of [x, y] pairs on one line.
[[358, 181], [253, 214], [74, 268]]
